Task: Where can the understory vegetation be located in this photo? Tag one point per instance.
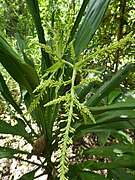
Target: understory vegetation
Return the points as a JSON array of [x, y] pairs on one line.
[[67, 98]]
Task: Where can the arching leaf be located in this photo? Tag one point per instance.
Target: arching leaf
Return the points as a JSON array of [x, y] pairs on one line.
[[94, 14]]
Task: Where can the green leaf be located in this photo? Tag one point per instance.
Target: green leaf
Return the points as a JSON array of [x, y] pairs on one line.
[[84, 90], [75, 169], [114, 115], [129, 104], [22, 47], [54, 67], [7, 95], [20, 42], [92, 19], [18, 129], [120, 174], [78, 19], [38, 114], [28, 176], [126, 162], [113, 151], [108, 121], [103, 136], [83, 130], [34, 10], [85, 175], [122, 135], [113, 95], [23, 73], [9, 153], [110, 85]]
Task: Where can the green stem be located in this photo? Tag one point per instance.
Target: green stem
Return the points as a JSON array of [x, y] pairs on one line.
[[30, 162], [67, 128], [120, 31], [29, 125]]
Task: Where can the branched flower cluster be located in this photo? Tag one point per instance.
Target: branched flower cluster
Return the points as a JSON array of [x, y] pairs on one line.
[[66, 140], [86, 81], [84, 111], [100, 51], [69, 100], [57, 101]]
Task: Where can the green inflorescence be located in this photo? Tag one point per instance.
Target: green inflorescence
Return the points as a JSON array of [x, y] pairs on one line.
[[69, 101]]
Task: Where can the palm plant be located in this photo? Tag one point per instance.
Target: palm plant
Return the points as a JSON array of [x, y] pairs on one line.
[[61, 105]]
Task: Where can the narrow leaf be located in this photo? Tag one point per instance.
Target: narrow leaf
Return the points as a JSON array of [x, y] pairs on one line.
[[113, 96], [103, 137], [126, 162], [7, 95], [110, 85], [34, 10], [38, 114], [9, 153], [86, 175], [120, 174], [106, 127], [23, 73], [93, 17], [114, 115], [90, 165], [78, 19], [18, 129], [22, 47], [129, 104], [28, 176], [113, 151], [84, 90]]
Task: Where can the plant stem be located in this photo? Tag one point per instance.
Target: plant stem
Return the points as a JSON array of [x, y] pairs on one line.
[[29, 125], [31, 162], [120, 31], [66, 139]]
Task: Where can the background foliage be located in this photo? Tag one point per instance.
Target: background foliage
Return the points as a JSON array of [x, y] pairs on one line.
[[69, 93]]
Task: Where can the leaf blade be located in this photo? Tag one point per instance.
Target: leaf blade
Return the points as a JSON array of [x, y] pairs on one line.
[[23, 73], [110, 85], [28, 176], [94, 15], [113, 151], [9, 152], [7, 95], [18, 129], [34, 10]]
